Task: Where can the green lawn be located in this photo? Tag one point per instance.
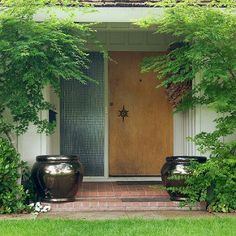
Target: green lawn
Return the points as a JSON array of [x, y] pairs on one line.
[[126, 227]]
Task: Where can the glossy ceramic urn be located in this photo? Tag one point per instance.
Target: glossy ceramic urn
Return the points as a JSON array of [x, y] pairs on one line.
[[177, 166], [57, 178]]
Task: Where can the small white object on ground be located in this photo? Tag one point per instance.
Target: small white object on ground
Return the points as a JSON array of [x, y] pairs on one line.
[[38, 207]]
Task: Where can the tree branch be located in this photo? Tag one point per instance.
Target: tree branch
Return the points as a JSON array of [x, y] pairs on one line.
[[8, 136]]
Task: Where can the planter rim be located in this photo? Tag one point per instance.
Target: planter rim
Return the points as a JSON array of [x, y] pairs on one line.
[[57, 158], [186, 158]]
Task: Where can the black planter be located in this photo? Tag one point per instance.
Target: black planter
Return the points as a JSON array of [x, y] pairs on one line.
[[57, 178], [176, 166]]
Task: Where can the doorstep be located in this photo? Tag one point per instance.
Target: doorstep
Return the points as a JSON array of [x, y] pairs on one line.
[[121, 196]]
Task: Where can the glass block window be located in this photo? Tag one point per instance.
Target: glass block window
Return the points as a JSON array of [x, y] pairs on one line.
[[82, 118]]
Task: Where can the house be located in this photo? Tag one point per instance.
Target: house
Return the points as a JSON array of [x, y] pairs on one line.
[[124, 127]]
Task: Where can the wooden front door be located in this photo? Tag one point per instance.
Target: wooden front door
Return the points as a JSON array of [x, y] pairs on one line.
[[139, 143]]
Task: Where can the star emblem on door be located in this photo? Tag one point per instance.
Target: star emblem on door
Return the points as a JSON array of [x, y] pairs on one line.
[[123, 113]]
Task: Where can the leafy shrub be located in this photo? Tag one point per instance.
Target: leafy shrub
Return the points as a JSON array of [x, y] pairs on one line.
[[12, 194], [213, 182], [28, 184]]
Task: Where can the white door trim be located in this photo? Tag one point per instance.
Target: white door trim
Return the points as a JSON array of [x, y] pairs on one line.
[[106, 125]]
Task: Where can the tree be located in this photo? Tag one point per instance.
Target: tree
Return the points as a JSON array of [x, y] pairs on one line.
[[208, 36], [33, 55]]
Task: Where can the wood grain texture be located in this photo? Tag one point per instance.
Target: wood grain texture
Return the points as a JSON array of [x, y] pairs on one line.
[[138, 146]]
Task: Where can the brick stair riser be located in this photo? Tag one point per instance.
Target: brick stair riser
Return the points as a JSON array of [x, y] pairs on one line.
[[119, 206], [123, 194], [94, 209], [119, 199]]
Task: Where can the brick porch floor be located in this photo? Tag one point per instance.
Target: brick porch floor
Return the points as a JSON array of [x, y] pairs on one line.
[[122, 189], [121, 196]]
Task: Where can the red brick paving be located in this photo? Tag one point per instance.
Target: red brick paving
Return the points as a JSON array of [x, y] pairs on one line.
[[114, 189], [112, 196]]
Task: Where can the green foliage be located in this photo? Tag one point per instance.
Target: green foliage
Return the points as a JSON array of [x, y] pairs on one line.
[[213, 182], [28, 184], [211, 3], [12, 195], [207, 57], [36, 55]]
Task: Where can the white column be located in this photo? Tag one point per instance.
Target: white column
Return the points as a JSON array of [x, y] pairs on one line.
[[178, 119], [189, 132]]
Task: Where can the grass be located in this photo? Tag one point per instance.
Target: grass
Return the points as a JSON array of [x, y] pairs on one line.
[[124, 227]]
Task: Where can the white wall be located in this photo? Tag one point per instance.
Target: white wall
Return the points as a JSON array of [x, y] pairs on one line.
[[32, 144]]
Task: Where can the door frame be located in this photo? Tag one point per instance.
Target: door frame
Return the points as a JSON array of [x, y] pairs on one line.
[[106, 126], [106, 176]]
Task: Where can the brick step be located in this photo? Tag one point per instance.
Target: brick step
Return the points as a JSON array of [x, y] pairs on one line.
[[134, 193], [123, 194], [119, 206], [123, 189], [125, 199]]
